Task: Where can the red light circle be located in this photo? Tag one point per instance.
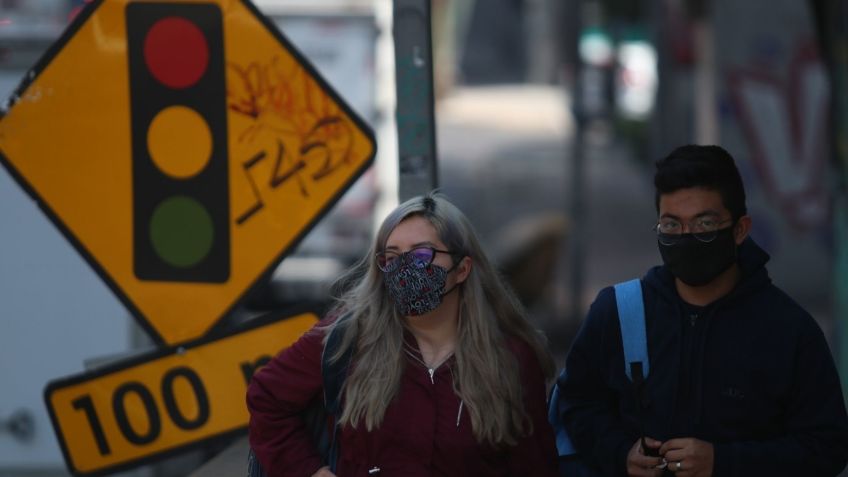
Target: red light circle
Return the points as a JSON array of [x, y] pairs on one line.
[[176, 52]]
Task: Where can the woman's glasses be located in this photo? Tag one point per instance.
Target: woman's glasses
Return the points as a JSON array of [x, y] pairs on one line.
[[419, 257]]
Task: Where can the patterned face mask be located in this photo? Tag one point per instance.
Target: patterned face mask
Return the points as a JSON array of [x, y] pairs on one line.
[[415, 291]]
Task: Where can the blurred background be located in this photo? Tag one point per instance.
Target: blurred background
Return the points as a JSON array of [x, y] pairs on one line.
[[549, 115]]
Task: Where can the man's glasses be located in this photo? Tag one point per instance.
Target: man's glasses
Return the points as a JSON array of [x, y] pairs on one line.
[[704, 229], [419, 257]]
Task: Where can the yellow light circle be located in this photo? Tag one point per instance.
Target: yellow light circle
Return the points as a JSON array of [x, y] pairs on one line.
[[179, 142]]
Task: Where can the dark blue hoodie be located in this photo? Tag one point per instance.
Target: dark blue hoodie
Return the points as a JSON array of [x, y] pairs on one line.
[[750, 373]]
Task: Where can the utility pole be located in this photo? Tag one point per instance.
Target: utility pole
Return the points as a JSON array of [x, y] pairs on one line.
[[705, 87], [416, 123], [577, 205], [660, 119]]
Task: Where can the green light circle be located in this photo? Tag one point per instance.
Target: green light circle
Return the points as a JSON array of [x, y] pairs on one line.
[[181, 231]]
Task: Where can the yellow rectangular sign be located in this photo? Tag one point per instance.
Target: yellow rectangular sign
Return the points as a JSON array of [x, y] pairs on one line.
[[149, 407]]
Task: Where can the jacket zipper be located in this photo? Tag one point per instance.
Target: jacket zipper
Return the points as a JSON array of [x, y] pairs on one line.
[[432, 371]]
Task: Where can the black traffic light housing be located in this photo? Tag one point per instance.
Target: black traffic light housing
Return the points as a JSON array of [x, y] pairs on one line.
[[181, 223]]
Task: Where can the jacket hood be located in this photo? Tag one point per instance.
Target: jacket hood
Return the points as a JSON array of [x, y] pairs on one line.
[[751, 259]]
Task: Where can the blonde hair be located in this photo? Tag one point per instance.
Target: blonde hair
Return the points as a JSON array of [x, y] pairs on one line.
[[486, 374]]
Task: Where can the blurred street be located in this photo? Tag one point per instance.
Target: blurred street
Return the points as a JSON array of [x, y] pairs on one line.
[[506, 158]]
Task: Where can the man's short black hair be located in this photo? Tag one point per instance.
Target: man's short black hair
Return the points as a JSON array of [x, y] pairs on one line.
[[710, 167]]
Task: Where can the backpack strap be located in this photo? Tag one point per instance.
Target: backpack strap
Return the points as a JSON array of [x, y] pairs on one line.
[[333, 375], [631, 319], [563, 442]]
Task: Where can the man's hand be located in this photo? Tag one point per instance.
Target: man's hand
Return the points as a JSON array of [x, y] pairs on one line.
[[641, 465], [324, 472], [688, 457]]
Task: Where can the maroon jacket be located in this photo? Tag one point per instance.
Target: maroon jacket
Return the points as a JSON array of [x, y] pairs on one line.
[[419, 435]]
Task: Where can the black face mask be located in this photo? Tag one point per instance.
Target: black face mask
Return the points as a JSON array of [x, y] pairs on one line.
[[697, 263]]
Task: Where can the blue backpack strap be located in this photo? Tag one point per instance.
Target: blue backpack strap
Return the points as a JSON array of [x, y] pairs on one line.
[[631, 318], [563, 442], [631, 313]]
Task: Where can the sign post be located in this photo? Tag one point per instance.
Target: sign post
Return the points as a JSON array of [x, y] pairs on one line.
[[416, 122]]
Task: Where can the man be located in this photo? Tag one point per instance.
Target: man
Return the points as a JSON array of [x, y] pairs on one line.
[[741, 381]]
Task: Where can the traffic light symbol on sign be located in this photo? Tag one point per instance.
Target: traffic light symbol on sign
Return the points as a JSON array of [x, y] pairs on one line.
[[181, 226]]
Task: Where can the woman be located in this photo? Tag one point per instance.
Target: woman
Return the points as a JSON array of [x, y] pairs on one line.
[[447, 376]]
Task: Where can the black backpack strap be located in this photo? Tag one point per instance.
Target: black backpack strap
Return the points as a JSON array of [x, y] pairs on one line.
[[333, 375]]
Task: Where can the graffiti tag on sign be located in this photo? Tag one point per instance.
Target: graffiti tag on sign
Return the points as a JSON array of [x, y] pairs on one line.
[[293, 126]]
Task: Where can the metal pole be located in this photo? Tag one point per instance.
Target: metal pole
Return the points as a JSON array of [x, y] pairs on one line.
[[662, 107], [578, 200], [414, 85]]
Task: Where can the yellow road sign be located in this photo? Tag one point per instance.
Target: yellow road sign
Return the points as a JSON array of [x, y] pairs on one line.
[[184, 148], [157, 404]]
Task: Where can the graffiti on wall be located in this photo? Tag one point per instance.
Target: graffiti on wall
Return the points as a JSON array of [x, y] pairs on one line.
[[785, 119]]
